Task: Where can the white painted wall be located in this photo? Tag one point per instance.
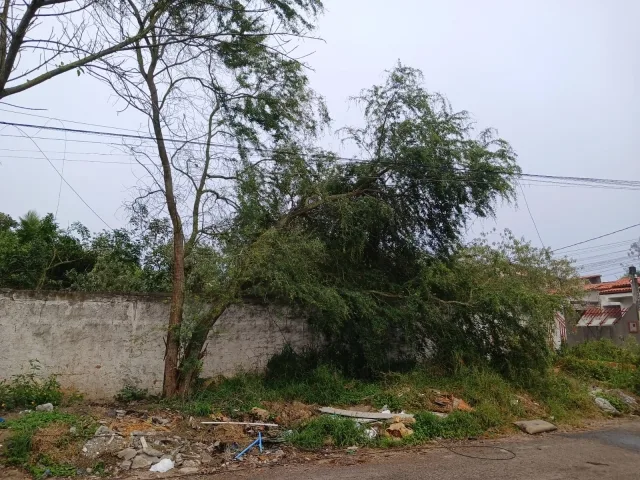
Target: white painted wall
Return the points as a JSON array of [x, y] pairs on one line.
[[96, 343]]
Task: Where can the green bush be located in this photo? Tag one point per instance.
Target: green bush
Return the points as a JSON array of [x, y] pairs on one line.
[[29, 389], [456, 425], [328, 430], [131, 393], [606, 351]]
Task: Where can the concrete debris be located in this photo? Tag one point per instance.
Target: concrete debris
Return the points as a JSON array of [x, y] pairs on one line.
[[152, 452], [127, 453], [606, 406], [260, 414], [162, 466], [125, 465], [104, 441], [533, 427], [103, 430], [45, 407], [160, 421], [143, 461], [626, 398], [364, 415], [188, 470], [190, 463], [398, 431]]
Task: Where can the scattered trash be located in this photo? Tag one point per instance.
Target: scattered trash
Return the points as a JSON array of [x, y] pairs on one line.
[[385, 409], [352, 450], [45, 407], [162, 466], [449, 403], [257, 442], [371, 433], [398, 431], [1, 420], [364, 415], [439, 414], [606, 406], [535, 426], [73, 430]]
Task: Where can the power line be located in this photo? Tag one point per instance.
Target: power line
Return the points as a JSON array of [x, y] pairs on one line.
[[69, 121], [532, 176], [530, 214], [65, 181], [597, 238]]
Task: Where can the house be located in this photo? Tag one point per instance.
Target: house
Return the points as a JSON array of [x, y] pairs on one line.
[[605, 311]]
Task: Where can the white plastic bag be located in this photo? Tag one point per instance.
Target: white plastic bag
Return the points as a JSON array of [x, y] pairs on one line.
[[162, 466]]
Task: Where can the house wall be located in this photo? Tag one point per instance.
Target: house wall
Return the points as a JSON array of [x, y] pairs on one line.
[[96, 343], [617, 333]]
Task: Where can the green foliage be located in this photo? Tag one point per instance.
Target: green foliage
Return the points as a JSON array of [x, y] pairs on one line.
[[327, 430], [370, 250], [606, 351], [131, 393], [29, 389], [36, 254], [18, 448], [455, 425]]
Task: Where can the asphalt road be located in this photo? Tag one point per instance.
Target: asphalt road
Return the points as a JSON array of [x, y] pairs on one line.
[[612, 453]]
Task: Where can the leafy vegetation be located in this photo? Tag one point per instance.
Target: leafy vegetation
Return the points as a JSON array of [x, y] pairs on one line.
[[29, 389], [131, 393], [327, 430], [19, 445], [604, 362]]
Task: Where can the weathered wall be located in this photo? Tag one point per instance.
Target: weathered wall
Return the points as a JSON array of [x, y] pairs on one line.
[[96, 343]]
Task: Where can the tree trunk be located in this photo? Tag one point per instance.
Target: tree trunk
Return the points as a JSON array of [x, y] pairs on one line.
[[193, 351], [170, 380]]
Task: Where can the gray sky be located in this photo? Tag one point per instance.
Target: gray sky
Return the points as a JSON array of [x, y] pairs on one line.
[[560, 80]]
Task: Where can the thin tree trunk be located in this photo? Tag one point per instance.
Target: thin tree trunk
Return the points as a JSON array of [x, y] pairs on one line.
[[170, 379], [193, 351]]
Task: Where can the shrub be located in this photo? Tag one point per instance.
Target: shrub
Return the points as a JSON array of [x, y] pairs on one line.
[[131, 393], [29, 389], [327, 430]]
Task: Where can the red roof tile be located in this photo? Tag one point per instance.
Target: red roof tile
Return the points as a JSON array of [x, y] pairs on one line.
[[597, 316], [605, 288]]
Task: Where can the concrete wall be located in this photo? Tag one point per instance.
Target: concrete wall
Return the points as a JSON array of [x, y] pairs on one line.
[[96, 343], [618, 333]]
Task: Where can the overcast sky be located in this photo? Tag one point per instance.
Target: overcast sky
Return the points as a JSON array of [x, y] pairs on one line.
[[559, 79]]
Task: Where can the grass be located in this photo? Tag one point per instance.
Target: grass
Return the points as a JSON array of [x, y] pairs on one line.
[[327, 430], [20, 449], [605, 363]]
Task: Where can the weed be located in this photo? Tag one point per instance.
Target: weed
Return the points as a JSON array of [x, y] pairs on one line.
[[456, 425], [20, 443], [131, 393], [606, 351], [327, 430], [29, 389]]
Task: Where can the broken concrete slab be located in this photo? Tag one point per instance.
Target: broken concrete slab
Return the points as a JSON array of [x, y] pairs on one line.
[[127, 453], [533, 427], [143, 461], [605, 405], [365, 415]]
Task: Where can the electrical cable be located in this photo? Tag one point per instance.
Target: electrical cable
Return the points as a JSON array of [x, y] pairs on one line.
[[65, 181], [530, 214], [598, 237], [534, 177]]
